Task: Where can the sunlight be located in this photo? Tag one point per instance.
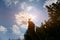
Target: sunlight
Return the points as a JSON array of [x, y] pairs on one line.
[[22, 18]]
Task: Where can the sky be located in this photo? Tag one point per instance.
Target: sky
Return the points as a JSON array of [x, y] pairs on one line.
[[12, 24]]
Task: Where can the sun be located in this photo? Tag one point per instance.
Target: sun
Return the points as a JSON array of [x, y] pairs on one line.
[[22, 17]]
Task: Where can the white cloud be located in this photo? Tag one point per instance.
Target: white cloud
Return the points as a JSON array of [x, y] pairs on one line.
[[33, 0], [16, 29], [10, 2], [29, 8], [3, 29], [49, 2], [23, 5], [22, 18]]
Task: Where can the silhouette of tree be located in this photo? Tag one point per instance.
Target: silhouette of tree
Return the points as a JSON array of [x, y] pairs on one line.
[[53, 24], [30, 34], [51, 29]]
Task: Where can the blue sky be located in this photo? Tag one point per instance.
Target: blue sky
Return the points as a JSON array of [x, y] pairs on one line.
[[9, 26]]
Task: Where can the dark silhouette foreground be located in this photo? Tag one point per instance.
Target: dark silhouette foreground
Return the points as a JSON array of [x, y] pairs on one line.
[[31, 35]]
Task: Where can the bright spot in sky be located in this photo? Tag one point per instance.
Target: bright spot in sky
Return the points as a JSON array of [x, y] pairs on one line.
[[22, 18]]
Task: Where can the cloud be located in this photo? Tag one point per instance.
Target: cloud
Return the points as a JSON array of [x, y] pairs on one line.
[[23, 5], [29, 8], [10, 2], [49, 2], [19, 31], [26, 7], [21, 23], [33, 0], [16, 29], [22, 18], [22, 37], [3, 29]]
